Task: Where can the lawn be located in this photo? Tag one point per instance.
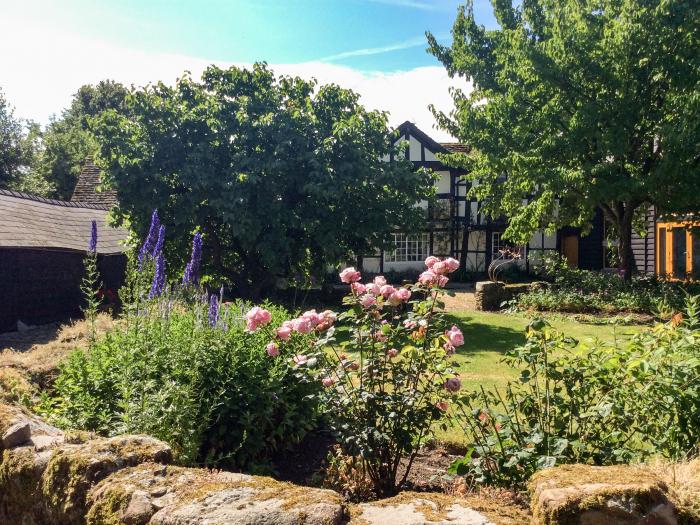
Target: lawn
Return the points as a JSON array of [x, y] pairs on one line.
[[487, 336]]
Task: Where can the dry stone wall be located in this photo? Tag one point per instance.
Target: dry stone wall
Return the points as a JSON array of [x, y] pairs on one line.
[[48, 477]]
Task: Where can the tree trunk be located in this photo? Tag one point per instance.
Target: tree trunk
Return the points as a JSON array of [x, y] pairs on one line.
[[624, 247]]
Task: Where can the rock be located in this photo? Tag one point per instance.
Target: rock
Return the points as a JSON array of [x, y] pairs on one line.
[[186, 496], [16, 434], [586, 495], [410, 508]]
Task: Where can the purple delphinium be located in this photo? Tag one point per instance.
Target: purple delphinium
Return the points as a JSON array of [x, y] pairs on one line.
[[150, 242], [159, 243], [93, 238], [213, 310], [158, 277], [192, 269]]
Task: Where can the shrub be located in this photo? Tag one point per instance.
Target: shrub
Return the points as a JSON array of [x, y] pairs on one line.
[[580, 291], [184, 367], [388, 381], [599, 405]]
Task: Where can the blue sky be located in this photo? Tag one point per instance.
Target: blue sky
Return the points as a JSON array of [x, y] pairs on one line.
[[376, 47], [382, 35]]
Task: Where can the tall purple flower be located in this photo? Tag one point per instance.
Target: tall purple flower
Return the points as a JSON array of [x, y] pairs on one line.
[[213, 310], [158, 278], [192, 269], [159, 243], [148, 246], [93, 237]]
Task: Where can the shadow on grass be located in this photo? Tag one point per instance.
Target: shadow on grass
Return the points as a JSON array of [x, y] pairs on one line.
[[483, 337]]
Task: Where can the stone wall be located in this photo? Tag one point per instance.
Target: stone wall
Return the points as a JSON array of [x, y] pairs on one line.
[[48, 477], [489, 295]]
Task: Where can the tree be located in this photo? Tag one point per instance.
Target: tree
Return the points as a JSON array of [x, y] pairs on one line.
[[68, 140], [283, 177], [16, 146], [578, 105]]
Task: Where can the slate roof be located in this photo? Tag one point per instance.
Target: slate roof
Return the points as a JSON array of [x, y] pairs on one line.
[[86, 187], [28, 221]]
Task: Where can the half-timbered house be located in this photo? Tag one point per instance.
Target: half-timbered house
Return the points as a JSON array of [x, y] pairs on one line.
[[456, 225]]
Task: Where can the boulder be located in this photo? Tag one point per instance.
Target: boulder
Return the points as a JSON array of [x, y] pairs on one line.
[[587, 495], [409, 508], [44, 477], [168, 495]]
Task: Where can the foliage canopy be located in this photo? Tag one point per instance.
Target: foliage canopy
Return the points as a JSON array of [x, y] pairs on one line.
[[579, 105], [284, 177]]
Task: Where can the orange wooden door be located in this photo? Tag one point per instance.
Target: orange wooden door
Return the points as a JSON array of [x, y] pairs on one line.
[[569, 248]]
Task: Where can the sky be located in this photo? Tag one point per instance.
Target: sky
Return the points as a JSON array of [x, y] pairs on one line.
[[49, 48]]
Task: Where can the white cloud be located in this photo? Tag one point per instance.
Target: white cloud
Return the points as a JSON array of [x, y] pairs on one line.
[[41, 70], [407, 44]]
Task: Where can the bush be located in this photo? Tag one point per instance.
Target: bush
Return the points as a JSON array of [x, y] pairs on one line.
[[600, 405], [388, 381], [182, 366], [582, 291]]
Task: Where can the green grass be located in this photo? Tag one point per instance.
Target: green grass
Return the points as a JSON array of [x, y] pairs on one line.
[[488, 336]]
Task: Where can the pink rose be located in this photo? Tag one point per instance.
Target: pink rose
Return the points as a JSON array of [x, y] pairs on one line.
[[272, 350], [350, 275], [257, 316], [430, 261], [392, 352], [400, 296], [408, 323], [380, 280], [379, 336], [326, 320], [452, 264], [442, 406], [427, 278], [328, 381], [302, 325], [453, 384], [285, 331], [373, 288], [368, 300], [358, 288], [442, 281], [449, 349], [353, 365], [312, 316], [455, 336], [386, 290], [440, 268], [300, 359]]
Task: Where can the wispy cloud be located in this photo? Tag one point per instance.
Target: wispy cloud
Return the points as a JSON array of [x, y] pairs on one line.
[[407, 44], [415, 4]]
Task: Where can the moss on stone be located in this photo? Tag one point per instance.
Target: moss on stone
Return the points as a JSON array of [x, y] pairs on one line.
[[109, 508], [571, 490], [15, 385], [19, 481]]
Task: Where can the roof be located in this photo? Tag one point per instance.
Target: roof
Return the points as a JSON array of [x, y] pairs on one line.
[[409, 128], [87, 186], [456, 147], [27, 221]]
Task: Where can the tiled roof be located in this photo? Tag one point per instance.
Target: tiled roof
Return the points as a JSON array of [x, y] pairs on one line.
[[456, 147], [34, 222], [86, 188]]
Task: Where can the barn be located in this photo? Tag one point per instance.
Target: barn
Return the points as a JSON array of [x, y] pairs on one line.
[[42, 246]]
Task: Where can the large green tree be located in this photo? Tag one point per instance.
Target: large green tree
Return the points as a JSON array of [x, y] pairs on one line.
[[282, 176], [17, 146], [67, 140], [578, 105]]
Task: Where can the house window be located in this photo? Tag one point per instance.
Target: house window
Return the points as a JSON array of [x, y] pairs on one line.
[[409, 248], [497, 245]]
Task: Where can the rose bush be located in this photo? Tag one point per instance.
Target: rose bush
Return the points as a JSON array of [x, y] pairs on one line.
[[390, 381]]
